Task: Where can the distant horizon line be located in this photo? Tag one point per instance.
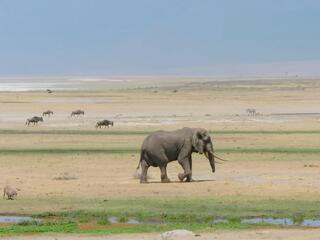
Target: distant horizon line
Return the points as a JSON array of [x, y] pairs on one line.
[[157, 76]]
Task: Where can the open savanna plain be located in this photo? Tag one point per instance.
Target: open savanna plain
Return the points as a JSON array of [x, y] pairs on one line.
[[73, 177]]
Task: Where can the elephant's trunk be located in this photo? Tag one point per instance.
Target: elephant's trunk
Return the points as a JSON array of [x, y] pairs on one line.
[[210, 157]]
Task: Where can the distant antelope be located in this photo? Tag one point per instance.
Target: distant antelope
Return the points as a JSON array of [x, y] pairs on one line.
[[77, 113], [47, 113], [251, 111], [49, 91], [34, 120], [105, 123]]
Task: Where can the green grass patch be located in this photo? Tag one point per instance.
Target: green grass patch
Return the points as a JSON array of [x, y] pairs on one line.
[[262, 132], [193, 214], [72, 132], [119, 229], [181, 210], [146, 132], [115, 151], [38, 228], [270, 150], [72, 151]]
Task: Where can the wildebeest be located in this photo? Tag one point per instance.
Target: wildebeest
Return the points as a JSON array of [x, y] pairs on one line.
[[251, 111], [10, 192], [47, 113], [105, 123], [77, 113], [49, 91], [34, 120]]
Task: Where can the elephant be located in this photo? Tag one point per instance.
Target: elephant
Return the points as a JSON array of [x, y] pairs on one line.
[[162, 147]]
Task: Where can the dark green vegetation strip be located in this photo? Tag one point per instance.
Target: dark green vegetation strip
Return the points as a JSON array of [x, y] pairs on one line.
[[271, 150], [37, 228], [125, 132], [194, 210], [73, 132], [137, 150], [191, 214], [70, 151]]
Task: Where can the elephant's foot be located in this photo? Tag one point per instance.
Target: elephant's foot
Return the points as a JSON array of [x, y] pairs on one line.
[[143, 181], [181, 176], [190, 180], [165, 180]]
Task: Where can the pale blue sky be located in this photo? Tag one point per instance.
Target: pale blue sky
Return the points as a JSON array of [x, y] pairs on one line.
[[150, 37]]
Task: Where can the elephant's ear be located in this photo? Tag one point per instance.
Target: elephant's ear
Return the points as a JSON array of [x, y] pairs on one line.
[[197, 141]]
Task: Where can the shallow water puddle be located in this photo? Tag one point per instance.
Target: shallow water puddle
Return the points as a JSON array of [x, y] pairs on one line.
[[15, 219], [115, 220], [311, 223], [274, 221]]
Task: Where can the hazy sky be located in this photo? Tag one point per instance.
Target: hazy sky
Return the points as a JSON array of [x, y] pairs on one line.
[[109, 37]]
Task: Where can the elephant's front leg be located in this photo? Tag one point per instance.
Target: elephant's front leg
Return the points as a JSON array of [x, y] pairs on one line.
[[187, 170], [189, 178]]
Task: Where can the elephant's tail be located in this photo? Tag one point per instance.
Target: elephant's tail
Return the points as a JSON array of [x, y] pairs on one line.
[[142, 153], [137, 172]]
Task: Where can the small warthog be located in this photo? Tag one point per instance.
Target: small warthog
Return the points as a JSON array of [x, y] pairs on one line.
[[77, 113], [10, 192], [47, 113], [105, 123], [34, 120]]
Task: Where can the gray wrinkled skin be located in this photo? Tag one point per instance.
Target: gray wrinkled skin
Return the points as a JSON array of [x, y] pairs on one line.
[[162, 147]]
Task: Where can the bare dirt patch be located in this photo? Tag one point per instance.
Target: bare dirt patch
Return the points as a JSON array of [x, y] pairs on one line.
[[288, 234]]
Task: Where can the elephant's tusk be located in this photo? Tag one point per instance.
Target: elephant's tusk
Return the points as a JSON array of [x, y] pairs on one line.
[[218, 157]]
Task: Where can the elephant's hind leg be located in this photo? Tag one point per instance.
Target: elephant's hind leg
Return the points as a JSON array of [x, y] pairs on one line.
[[164, 176], [162, 163], [144, 167]]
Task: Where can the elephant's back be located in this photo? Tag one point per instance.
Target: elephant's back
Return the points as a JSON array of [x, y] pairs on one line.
[[158, 139], [150, 138]]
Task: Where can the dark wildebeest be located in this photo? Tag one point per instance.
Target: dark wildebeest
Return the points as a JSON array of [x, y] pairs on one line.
[[251, 111], [105, 123], [34, 120], [77, 113], [49, 91], [47, 113]]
